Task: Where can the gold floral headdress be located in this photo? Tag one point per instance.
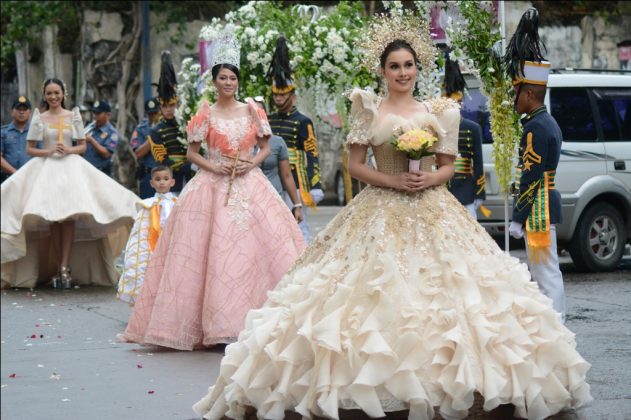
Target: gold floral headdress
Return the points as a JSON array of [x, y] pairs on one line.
[[405, 26]]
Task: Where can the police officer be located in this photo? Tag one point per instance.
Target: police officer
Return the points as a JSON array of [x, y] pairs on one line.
[[101, 137], [142, 147], [13, 137], [537, 205], [468, 183]]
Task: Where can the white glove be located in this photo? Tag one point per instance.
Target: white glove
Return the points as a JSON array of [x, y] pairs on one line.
[[516, 230], [317, 194], [477, 203]]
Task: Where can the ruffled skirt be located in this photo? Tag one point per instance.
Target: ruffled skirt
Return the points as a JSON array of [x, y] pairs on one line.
[[53, 189], [402, 302]]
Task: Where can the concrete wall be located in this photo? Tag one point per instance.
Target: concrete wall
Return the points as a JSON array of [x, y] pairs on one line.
[[590, 45]]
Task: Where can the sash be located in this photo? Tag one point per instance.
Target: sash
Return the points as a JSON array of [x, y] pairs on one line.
[[463, 165], [538, 222], [154, 224]]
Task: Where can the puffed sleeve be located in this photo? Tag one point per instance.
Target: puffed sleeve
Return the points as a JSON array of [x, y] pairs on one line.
[[363, 111], [448, 113], [260, 119], [36, 129], [197, 128], [77, 124]]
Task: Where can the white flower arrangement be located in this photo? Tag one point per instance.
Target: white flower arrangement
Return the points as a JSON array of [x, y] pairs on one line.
[[321, 48]]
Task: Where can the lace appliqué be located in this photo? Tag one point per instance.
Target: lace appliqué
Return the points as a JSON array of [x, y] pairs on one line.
[[438, 105], [361, 118], [448, 113], [360, 124], [238, 204], [198, 134], [262, 127], [234, 129]]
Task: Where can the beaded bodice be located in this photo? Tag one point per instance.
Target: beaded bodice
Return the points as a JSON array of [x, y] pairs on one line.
[[370, 128], [391, 161]]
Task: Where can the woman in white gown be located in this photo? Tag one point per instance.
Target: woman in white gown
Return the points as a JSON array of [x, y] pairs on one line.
[[403, 302], [58, 211]]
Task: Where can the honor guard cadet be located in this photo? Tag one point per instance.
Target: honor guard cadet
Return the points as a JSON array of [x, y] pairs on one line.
[[142, 147], [468, 183], [101, 138], [537, 206], [164, 138], [296, 129], [13, 137]]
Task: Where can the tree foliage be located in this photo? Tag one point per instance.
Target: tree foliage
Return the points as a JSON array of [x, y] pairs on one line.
[[21, 22]]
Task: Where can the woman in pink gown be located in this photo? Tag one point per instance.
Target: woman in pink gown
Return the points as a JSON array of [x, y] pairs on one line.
[[229, 239]]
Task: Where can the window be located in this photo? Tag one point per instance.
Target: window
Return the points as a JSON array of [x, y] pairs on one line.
[[572, 110], [614, 112]]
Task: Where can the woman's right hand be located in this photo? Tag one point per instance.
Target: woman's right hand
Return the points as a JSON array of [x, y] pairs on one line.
[[221, 168], [51, 151]]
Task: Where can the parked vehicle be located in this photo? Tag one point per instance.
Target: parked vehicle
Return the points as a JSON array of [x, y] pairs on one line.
[[593, 109]]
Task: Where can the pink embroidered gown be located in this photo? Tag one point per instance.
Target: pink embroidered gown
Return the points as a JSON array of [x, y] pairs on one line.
[[214, 262]]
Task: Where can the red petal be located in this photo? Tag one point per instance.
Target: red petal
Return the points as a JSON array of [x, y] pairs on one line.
[[151, 392], [139, 366], [12, 375], [34, 336]]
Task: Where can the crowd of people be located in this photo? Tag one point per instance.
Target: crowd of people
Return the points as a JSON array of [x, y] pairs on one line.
[[403, 302]]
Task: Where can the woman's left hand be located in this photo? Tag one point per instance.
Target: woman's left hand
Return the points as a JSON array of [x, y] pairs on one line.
[[426, 180], [61, 149], [243, 167]]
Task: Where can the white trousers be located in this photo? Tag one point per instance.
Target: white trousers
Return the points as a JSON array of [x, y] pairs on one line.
[[304, 227], [548, 275], [471, 209]]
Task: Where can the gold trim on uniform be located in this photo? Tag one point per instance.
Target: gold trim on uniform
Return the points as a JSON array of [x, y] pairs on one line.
[[530, 157], [310, 143], [157, 150]]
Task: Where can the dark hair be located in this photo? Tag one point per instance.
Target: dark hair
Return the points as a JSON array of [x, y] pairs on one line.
[[160, 168], [57, 82], [396, 45], [215, 70]]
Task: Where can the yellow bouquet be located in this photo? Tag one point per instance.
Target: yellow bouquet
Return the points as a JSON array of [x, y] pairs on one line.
[[414, 143]]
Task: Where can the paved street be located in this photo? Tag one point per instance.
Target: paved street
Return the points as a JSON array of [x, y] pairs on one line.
[[61, 360]]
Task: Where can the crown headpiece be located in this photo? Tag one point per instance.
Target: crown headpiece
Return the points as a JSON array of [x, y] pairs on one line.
[[227, 49], [524, 60], [385, 29]]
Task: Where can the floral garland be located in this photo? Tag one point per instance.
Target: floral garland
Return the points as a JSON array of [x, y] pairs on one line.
[[321, 51], [476, 37]]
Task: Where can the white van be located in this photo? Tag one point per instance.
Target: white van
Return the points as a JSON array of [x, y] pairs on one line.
[[593, 109]]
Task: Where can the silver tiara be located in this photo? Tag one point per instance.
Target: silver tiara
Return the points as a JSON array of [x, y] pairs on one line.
[[226, 50]]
